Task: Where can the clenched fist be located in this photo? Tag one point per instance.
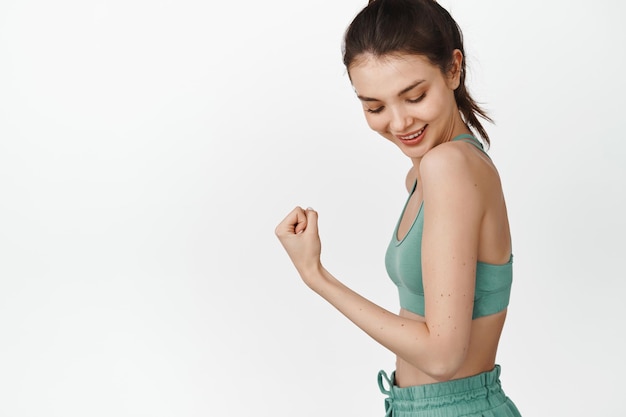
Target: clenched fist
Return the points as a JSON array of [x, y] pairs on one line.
[[299, 236]]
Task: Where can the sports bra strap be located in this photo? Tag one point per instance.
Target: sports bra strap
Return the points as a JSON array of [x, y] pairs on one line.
[[470, 139]]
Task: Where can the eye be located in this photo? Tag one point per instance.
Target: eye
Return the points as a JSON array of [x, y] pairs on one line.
[[417, 100], [376, 110]]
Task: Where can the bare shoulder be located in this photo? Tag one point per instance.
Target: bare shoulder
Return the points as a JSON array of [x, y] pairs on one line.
[[459, 172], [446, 162]]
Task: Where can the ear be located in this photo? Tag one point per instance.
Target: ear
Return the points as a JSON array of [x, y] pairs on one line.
[[456, 67]]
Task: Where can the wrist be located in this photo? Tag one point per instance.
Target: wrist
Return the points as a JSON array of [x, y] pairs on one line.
[[313, 276]]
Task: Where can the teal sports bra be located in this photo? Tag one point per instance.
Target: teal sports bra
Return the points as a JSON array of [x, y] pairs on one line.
[[403, 261]]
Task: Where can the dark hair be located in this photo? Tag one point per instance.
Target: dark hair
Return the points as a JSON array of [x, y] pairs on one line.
[[420, 27]]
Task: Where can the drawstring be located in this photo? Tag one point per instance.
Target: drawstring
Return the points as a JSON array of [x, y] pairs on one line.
[[389, 400], [381, 375]]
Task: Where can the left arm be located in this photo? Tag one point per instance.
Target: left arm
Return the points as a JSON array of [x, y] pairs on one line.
[[439, 345], [407, 338]]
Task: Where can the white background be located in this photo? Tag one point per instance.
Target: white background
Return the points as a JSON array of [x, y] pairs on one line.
[[149, 148]]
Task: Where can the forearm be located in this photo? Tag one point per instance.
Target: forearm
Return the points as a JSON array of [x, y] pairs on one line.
[[411, 340]]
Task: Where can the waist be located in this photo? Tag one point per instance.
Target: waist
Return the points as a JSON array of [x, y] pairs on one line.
[[451, 398], [406, 375]]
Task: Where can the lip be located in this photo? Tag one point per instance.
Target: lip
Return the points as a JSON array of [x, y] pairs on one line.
[[414, 141]]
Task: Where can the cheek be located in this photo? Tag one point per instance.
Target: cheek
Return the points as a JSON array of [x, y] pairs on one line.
[[430, 113], [433, 109], [445, 101]]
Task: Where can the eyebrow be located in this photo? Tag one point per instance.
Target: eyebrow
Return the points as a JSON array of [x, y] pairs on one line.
[[403, 91]]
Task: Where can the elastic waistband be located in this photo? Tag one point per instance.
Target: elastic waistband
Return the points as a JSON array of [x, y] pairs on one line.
[[443, 399]]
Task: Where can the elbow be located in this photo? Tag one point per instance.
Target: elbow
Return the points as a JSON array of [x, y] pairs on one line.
[[440, 367], [442, 373], [445, 365], [440, 356], [445, 354]]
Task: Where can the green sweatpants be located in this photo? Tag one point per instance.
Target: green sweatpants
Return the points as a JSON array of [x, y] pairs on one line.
[[476, 396]]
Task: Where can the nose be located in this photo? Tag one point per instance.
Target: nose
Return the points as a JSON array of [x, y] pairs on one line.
[[400, 120]]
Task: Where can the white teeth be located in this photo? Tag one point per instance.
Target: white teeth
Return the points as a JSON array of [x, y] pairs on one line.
[[414, 135]]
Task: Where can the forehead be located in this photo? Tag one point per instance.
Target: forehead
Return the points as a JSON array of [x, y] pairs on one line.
[[376, 76]]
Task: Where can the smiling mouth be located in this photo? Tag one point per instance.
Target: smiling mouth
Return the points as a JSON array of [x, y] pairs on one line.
[[413, 135]]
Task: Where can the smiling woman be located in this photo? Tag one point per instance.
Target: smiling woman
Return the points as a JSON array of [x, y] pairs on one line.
[[408, 88], [450, 253]]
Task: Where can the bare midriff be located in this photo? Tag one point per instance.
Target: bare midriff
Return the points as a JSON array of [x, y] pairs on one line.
[[481, 356]]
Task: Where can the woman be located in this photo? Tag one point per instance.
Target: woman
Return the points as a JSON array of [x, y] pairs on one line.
[[450, 253]]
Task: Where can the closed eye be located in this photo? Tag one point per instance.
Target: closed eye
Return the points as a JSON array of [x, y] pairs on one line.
[[417, 100], [376, 110]]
